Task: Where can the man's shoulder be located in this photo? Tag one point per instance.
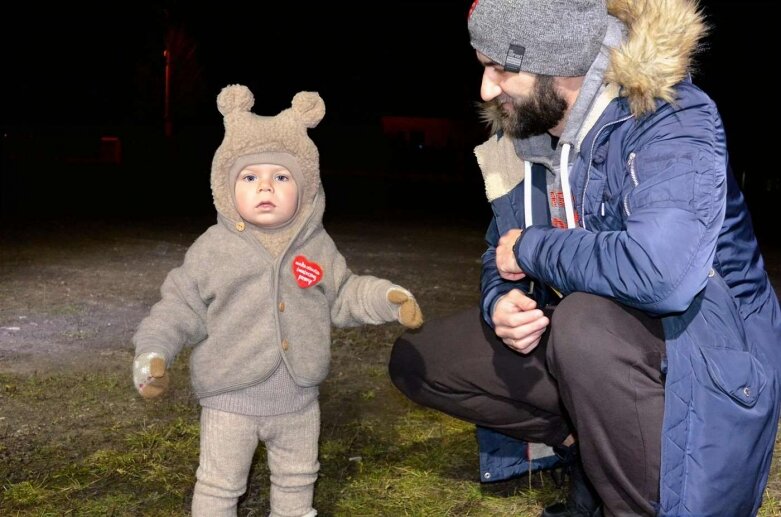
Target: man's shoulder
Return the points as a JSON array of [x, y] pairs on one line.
[[689, 99], [691, 107]]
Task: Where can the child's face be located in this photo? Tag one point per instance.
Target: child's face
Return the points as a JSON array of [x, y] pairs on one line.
[[266, 195]]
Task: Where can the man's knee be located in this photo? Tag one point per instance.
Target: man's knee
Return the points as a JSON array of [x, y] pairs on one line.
[[406, 367], [576, 322], [575, 314]]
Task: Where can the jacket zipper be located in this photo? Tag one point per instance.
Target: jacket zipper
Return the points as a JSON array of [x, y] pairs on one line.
[[633, 175], [590, 160]]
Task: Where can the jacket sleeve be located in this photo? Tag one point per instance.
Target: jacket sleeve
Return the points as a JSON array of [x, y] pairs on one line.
[[178, 319], [357, 299], [662, 256], [493, 286]]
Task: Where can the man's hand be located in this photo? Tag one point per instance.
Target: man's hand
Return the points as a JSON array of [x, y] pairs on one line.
[[505, 257], [518, 322]]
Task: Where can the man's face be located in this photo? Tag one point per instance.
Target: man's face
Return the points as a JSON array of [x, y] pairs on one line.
[[534, 114], [527, 104]]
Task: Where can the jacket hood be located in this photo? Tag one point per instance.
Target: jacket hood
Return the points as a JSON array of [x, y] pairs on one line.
[[663, 36]]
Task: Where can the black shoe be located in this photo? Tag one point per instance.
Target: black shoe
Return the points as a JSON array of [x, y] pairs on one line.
[[582, 499]]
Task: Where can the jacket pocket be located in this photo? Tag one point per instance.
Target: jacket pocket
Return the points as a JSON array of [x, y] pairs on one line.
[[736, 373], [726, 352]]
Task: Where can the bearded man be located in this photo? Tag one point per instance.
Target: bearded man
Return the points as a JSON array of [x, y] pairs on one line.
[[626, 318]]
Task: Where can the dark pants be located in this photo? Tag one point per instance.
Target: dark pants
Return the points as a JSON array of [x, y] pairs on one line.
[[607, 360]]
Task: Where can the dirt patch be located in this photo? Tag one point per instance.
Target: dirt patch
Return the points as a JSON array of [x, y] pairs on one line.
[[74, 291], [69, 291]]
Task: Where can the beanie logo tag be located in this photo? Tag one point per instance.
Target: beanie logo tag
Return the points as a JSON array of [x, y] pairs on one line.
[[306, 272], [514, 59]]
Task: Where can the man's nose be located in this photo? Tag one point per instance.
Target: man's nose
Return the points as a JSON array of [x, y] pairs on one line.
[[489, 89]]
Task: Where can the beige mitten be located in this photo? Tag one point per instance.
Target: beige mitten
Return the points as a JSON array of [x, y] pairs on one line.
[[409, 311], [149, 375]]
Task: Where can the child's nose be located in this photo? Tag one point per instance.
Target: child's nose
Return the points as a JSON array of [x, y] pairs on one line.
[[264, 186]]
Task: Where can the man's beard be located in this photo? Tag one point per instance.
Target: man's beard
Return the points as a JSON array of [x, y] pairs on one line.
[[533, 115]]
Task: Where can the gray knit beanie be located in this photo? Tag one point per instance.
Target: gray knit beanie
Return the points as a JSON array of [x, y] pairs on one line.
[[551, 37]]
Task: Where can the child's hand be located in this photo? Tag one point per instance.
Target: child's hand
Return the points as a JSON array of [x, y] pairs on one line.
[[149, 375], [409, 311]]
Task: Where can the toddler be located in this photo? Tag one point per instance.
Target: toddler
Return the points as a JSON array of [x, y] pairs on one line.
[[256, 297]]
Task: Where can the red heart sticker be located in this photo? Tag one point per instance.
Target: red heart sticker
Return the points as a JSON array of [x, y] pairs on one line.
[[307, 273]]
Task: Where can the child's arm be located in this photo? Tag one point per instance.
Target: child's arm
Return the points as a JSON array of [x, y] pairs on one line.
[[178, 319], [362, 299]]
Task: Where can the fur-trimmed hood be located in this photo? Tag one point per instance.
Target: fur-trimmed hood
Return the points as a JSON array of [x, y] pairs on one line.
[[662, 38]]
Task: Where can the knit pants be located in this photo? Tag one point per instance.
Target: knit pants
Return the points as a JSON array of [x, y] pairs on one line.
[[228, 443]]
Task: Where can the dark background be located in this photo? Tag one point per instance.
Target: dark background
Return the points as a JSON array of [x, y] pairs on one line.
[[84, 82]]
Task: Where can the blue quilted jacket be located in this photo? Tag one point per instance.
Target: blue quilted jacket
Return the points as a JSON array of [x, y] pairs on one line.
[[663, 228]]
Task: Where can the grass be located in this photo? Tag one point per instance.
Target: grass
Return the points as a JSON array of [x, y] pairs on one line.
[[86, 445], [82, 443]]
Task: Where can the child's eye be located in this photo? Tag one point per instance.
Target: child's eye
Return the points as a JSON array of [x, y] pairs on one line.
[[249, 178], [282, 178]]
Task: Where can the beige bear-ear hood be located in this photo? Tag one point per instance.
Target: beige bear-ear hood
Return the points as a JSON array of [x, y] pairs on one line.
[[249, 137], [309, 108]]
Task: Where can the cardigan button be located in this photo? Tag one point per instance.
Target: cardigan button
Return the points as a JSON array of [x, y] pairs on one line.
[[281, 306], [285, 344]]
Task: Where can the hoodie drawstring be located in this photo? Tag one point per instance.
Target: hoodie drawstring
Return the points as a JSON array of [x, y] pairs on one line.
[[569, 210], [527, 193]]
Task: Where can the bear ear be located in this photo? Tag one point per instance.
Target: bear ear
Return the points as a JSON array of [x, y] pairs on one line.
[[235, 97], [309, 107]]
